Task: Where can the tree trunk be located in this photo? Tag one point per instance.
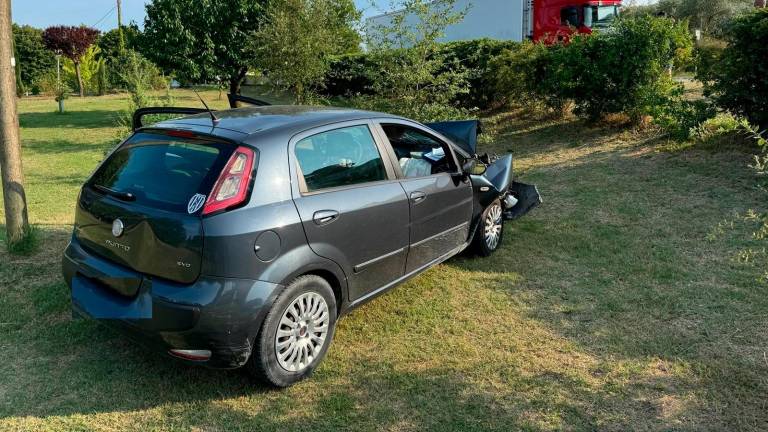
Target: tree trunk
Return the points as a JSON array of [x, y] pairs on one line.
[[234, 88], [16, 219], [79, 78], [234, 84]]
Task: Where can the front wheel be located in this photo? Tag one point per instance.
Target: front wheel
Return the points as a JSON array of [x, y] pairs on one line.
[[491, 230], [296, 333]]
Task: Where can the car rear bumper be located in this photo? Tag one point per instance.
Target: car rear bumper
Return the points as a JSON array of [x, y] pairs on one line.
[[221, 315]]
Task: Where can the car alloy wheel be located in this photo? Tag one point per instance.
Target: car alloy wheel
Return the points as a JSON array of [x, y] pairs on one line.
[[493, 226], [302, 332]]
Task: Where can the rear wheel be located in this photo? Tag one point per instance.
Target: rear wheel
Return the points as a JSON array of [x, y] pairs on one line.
[[490, 233], [296, 333]]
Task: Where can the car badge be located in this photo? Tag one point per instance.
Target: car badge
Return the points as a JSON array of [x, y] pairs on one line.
[[195, 203], [117, 228]]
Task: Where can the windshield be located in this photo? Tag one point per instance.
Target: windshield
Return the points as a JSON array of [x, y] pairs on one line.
[[600, 16], [162, 171]]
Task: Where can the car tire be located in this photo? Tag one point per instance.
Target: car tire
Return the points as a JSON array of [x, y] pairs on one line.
[[297, 313], [490, 231]]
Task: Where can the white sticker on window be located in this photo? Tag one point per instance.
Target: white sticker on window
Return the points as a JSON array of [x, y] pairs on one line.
[[195, 203]]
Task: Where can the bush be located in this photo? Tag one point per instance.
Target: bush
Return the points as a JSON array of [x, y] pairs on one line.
[[739, 78], [623, 70], [476, 56], [680, 117], [350, 75], [126, 69], [519, 76], [707, 55]]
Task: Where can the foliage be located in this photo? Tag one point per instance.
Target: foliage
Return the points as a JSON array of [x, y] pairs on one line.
[[711, 16], [520, 76], [33, 59], [71, 42], [624, 70], [90, 64], [739, 78], [477, 57], [295, 44], [349, 75], [681, 118], [130, 65], [109, 42], [202, 40], [412, 77], [707, 54]]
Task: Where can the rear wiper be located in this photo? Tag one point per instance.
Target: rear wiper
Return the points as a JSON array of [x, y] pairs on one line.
[[123, 196]]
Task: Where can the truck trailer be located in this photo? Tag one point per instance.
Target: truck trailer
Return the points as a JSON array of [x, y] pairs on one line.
[[539, 20]]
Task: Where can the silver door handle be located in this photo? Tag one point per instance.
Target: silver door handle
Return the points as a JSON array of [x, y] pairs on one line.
[[418, 197], [324, 217]]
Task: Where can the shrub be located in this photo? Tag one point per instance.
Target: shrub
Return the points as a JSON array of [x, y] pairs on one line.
[[476, 56], [519, 76], [707, 55], [739, 78], [721, 124], [350, 75], [623, 70], [131, 66], [680, 117]]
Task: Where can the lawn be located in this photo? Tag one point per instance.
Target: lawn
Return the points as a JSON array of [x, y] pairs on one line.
[[633, 299]]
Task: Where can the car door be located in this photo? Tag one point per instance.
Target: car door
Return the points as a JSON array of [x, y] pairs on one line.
[[352, 207], [440, 198]]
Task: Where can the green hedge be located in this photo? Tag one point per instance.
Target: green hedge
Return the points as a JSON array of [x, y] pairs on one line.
[[740, 77], [352, 75]]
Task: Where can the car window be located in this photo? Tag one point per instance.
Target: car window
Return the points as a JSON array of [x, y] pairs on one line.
[[341, 157], [418, 153], [162, 171]]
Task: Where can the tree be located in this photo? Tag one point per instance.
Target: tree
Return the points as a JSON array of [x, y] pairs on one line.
[[109, 42], [710, 16], [72, 43], [203, 40], [90, 64], [295, 44], [16, 218], [414, 77], [33, 60]]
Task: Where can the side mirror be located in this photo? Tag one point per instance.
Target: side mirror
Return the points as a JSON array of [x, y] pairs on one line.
[[474, 167]]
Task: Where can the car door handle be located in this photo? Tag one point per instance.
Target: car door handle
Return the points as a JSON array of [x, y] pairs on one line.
[[324, 217], [418, 197]]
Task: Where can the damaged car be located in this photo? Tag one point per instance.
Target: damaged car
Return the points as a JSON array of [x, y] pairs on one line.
[[238, 238]]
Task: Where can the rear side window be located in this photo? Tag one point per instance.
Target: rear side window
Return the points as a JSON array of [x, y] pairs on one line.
[[341, 157], [163, 171]]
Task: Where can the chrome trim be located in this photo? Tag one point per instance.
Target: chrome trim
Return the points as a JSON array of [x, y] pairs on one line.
[[449, 230], [360, 267]]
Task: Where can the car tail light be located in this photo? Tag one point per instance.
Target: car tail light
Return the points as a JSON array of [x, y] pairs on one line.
[[194, 355], [232, 186]]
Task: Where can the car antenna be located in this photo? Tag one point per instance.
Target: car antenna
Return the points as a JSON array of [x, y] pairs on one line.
[[215, 120]]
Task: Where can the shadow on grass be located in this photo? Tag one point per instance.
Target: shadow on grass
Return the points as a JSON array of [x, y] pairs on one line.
[[62, 146], [69, 119]]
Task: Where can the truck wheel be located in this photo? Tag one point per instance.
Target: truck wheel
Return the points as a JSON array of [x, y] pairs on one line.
[[296, 332], [490, 233]]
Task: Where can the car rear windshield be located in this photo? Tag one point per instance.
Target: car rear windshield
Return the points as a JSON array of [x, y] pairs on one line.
[[162, 171]]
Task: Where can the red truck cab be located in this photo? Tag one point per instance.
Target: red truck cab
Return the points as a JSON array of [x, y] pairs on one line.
[[557, 20]]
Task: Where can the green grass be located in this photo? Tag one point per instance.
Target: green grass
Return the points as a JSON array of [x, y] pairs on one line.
[[623, 303]]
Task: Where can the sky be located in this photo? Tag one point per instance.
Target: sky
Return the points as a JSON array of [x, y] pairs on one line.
[[102, 15]]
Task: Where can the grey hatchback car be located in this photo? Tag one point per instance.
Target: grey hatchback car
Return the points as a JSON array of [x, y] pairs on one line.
[[239, 239]]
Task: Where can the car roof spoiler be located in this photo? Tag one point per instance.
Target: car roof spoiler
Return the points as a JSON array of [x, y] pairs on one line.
[[463, 133], [234, 99], [139, 114]]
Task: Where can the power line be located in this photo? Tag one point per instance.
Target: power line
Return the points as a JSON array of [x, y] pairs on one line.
[[106, 15]]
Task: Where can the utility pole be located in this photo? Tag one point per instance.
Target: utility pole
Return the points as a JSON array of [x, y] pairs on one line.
[[120, 24], [16, 219]]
